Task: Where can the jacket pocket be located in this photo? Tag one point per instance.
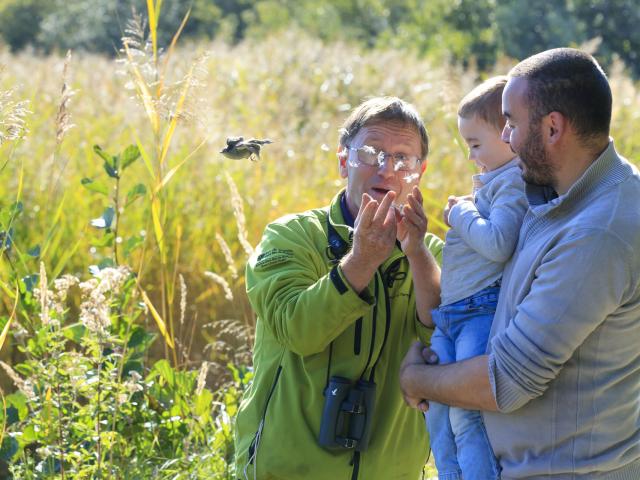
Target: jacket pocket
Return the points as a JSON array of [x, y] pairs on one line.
[[357, 337]]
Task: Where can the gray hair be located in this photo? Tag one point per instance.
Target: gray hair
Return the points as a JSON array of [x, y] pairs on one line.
[[388, 110]]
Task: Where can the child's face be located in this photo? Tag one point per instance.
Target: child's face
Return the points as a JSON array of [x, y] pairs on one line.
[[486, 147]]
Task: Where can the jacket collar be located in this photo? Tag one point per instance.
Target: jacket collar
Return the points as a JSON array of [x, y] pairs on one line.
[[345, 232]]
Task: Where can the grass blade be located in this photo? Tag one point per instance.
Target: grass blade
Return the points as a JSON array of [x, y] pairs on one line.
[[157, 228], [172, 172], [174, 40], [66, 257], [143, 90], [5, 330], [153, 28], [145, 156], [174, 119], [156, 316]]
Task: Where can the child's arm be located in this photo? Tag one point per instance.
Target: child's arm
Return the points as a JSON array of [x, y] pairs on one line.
[[496, 237]]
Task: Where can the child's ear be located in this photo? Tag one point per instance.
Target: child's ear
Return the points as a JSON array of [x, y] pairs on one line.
[[423, 166]]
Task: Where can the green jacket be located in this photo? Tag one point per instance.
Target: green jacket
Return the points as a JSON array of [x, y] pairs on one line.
[[307, 313]]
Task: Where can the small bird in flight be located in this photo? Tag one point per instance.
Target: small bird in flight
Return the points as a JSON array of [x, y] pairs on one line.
[[237, 148]]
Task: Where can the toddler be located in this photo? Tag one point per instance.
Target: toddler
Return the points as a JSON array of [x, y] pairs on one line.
[[483, 235]]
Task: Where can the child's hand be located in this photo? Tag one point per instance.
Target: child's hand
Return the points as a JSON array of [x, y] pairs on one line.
[[452, 200]]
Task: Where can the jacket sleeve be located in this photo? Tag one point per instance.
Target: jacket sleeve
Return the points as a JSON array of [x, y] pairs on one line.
[[303, 307], [494, 238], [434, 245], [579, 283]]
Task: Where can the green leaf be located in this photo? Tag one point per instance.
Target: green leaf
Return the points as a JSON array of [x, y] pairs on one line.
[[111, 170], [163, 369], [9, 448], [75, 332], [130, 155], [135, 193], [131, 244], [94, 186], [18, 401], [104, 155], [105, 241], [106, 263], [203, 403], [34, 252], [29, 435], [28, 283], [141, 338], [105, 220]]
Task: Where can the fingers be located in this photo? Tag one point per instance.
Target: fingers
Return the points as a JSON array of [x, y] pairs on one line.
[[383, 210], [367, 210], [429, 356]]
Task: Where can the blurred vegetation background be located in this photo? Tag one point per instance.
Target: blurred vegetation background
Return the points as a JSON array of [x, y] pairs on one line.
[[180, 215], [460, 31]]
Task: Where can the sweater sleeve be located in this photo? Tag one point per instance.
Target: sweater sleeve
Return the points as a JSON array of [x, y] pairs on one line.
[[580, 282], [494, 238], [304, 307]]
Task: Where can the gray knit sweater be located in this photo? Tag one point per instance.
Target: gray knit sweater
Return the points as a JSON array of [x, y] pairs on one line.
[[564, 352], [483, 233]]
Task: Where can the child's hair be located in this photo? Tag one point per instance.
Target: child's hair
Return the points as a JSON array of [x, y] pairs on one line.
[[485, 101]]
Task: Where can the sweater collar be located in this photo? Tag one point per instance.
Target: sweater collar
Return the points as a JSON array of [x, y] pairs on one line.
[[608, 169], [485, 178]]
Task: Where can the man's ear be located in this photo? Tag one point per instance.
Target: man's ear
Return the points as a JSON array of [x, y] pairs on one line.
[[342, 155], [554, 127]]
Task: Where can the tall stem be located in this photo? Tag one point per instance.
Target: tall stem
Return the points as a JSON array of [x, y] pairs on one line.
[[60, 431], [115, 229]]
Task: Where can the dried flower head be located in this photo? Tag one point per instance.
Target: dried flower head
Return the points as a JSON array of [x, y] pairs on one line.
[[202, 377], [12, 117], [220, 280], [238, 212], [183, 299], [44, 293], [63, 117], [25, 386], [227, 255], [97, 295]]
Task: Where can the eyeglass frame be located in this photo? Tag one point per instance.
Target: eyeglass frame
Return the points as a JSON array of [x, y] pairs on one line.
[[385, 157]]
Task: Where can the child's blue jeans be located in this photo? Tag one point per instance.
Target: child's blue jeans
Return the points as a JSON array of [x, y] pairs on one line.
[[458, 438]]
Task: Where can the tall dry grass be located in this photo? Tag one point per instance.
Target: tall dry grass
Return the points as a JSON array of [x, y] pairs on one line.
[[290, 88]]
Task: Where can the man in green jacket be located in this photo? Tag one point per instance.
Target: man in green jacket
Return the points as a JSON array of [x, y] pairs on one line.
[[333, 289]]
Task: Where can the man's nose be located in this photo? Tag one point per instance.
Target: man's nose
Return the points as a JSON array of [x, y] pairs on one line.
[[386, 166], [506, 134]]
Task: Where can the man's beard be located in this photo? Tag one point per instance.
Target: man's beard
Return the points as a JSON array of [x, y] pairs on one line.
[[537, 169]]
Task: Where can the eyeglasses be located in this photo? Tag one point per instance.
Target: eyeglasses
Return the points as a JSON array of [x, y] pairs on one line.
[[371, 157]]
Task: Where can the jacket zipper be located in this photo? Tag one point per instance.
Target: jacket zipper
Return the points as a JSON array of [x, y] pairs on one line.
[[386, 283], [254, 443]]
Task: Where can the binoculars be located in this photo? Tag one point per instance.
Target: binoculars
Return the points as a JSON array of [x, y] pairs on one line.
[[347, 414]]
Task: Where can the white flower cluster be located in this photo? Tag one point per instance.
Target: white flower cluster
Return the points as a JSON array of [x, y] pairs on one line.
[[53, 302], [131, 386], [97, 293]]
